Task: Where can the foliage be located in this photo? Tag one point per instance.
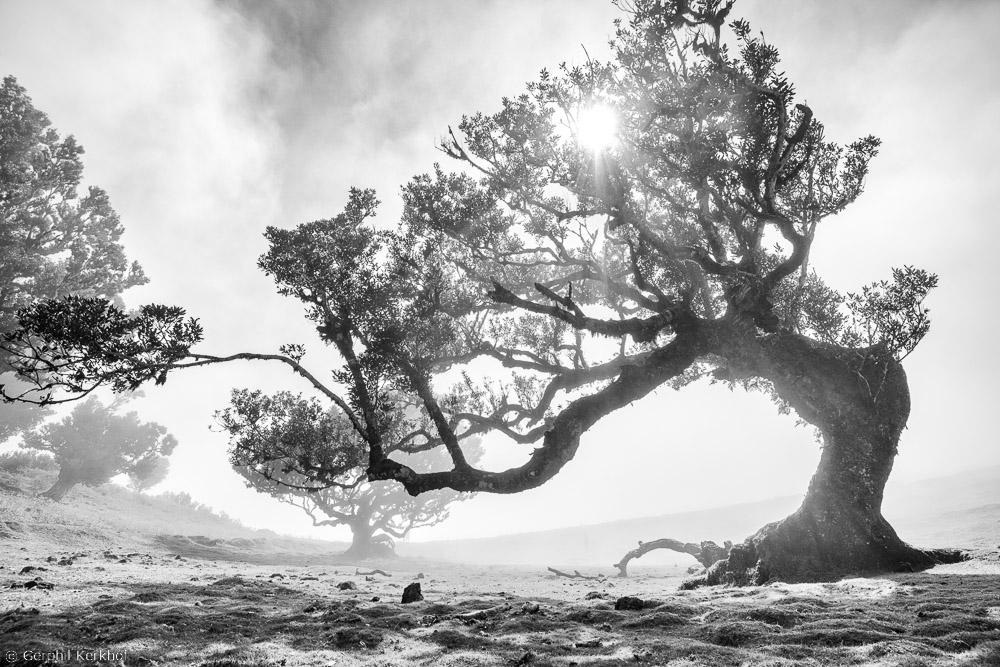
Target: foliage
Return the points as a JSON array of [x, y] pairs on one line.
[[78, 343], [94, 443], [891, 314], [20, 460], [56, 239], [294, 449], [148, 472], [184, 499]]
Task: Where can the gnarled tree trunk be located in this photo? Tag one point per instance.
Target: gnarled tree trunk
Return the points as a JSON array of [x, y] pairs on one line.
[[859, 401], [361, 541], [365, 544], [59, 490]]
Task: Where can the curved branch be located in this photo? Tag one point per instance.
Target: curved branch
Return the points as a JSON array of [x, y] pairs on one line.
[[706, 553], [561, 441], [642, 330]]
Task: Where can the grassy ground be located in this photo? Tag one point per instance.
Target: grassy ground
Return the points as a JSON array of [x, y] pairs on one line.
[[241, 599]]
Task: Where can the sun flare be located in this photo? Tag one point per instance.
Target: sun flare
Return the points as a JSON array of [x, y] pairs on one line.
[[597, 127]]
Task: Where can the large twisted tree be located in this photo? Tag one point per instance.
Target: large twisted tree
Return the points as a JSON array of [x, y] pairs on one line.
[[618, 227]]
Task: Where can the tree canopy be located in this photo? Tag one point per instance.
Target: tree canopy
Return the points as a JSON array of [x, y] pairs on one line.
[[55, 239], [148, 472]]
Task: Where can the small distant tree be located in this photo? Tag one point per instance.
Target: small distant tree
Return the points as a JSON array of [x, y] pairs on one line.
[[55, 239], [148, 472], [93, 444], [309, 456]]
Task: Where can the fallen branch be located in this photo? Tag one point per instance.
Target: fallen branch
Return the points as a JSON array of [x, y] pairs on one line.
[[576, 575], [382, 572], [481, 615], [706, 553]]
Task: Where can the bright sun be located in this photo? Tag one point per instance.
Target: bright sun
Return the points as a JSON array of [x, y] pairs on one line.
[[597, 127]]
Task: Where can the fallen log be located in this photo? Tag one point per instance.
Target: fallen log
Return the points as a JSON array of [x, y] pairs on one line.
[[576, 575], [706, 553]]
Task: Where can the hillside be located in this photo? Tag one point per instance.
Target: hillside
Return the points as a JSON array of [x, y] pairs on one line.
[[91, 518]]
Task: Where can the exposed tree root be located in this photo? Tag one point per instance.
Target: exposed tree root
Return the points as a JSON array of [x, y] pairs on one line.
[[706, 553], [804, 548]]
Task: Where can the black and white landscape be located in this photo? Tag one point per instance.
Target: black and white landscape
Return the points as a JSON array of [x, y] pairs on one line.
[[650, 331]]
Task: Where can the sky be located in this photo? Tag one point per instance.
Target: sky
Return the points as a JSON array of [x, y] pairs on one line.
[[207, 122]]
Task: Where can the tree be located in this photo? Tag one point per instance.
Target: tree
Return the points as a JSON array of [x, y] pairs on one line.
[[309, 456], [148, 472], [54, 240], [618, 227], [93, 444]]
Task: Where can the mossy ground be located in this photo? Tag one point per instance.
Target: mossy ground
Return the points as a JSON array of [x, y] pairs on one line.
[[159, 609]]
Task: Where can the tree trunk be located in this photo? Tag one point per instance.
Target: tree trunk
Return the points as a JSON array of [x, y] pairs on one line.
[[361, 541], [58, 490], [859, 401]]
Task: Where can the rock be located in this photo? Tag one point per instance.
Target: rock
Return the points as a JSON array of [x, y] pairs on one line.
[[31, 568], [420, 575], [527, 657], [375, 599], [277, 575], [412, 593], [595, 595], [590, 643], [347, 586], [629, 603], [530, 608]]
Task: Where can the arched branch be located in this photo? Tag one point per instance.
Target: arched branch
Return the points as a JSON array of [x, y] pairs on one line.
[[706, 553]]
